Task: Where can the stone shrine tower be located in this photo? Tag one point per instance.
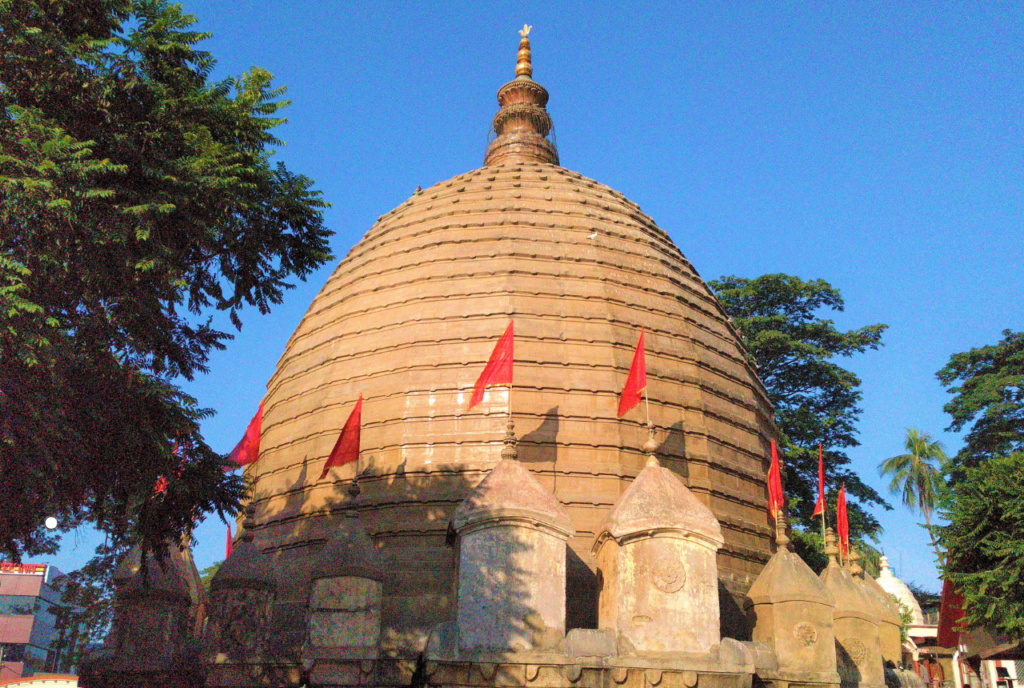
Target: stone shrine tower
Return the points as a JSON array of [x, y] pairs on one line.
[[408, 319]]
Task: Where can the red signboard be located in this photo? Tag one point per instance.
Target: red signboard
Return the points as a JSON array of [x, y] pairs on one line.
[[25, 569]]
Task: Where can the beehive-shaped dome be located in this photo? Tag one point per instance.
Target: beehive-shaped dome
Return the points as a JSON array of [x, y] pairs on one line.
[[408, 320]]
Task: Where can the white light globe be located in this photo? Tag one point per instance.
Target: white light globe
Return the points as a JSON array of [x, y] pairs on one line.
[[51, 522]]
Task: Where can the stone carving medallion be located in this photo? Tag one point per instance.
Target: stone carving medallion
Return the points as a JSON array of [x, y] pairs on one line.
[[667, 574], [806, 633], [856, 649], [241, 617]]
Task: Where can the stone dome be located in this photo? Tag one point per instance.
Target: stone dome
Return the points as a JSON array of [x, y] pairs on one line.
[[408, 320], [898, 589]]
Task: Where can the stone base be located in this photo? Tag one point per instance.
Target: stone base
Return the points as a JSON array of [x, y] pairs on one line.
[[574, 675], [96, 675], [244, 675]]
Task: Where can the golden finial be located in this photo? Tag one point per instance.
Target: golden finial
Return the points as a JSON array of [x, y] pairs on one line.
[[524, 69]]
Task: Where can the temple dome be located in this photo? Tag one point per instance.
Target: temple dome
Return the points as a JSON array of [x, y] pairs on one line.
[[898, 589], [408, 320]]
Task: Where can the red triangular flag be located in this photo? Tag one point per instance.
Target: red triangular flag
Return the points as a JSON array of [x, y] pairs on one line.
[[842, 522], [951, 611], [498, 370], [775, 498], [819, 506], [229, 549], [632, 393], [346, 449], [248, 448]]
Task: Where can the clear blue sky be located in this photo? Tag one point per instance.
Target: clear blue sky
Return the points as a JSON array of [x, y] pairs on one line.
[[876, 145]]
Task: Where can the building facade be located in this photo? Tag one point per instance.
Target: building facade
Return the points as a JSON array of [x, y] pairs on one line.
[[30, 640]]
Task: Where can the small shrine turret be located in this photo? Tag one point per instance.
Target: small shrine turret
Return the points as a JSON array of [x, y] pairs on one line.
[[242, 593], [858, 655], [342, 644], [511, 551], [655, 556], [889, 619], [791, 611], [153, 635]]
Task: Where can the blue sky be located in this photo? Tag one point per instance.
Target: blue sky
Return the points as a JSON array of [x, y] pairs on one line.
[[877, 146]]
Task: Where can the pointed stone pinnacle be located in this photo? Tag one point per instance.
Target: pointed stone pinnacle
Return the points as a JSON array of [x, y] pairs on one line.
[[249, 522], [509, 452], [830, 546], [651, 446], [781, 539], [854, 557]]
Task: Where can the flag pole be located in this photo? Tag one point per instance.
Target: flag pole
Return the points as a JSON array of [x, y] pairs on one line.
[[647, 407]]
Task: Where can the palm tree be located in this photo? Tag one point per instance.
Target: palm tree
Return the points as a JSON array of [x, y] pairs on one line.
[[916, 477]]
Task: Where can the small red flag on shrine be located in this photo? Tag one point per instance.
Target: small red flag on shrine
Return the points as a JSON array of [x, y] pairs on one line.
[[229, 549], [498, 370], [632, 393], [248, 448], [819, 507], [842, 522], [775, 498], [346, 449]]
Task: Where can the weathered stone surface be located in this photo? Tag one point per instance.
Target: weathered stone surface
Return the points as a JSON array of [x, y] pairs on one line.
[[791, 611], [345, 612], [858, 651], [511, 493], [239, 632], [586, 642], [511, 576], [348, 553], [152, 643], [889, 620], [656, 558]]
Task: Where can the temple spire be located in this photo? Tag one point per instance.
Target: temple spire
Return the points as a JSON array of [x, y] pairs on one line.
[[524, 68], [522, 124]]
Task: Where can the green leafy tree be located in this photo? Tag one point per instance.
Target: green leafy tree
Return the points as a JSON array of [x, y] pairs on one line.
[[917, 477], [985, 541], [207, 574], [137, 197], [987, 385], [815, 399]]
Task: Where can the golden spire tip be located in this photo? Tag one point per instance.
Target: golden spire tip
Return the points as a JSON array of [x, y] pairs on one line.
[[524, 68]]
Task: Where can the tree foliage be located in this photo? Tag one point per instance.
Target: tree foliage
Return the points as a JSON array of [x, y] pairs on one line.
[[987, 385], [917, 477], [137, 196], [985, 542], [815, 399]]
